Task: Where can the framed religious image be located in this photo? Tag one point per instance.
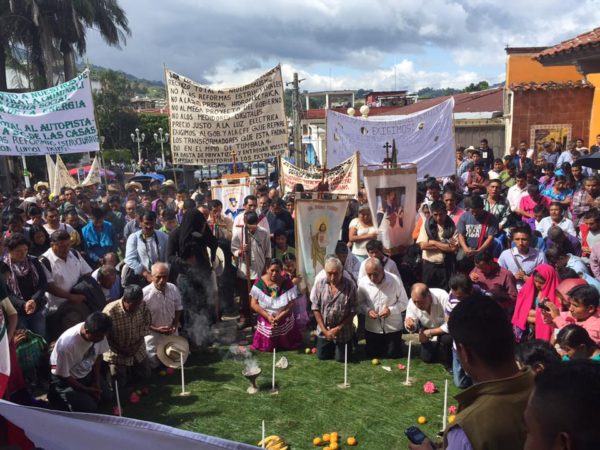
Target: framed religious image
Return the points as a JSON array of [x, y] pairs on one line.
[[392, 198]]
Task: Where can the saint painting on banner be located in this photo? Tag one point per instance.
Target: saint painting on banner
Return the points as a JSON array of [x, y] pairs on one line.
[[318, 224], [390, 211], [392, 198]]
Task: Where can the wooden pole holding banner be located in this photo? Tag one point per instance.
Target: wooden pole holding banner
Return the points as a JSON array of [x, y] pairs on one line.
[[170, 127], [25, 172]]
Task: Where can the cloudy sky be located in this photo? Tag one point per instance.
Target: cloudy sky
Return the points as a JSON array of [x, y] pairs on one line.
[[339, 44]]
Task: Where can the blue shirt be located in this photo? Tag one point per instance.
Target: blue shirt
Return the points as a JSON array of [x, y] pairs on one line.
[[527, 262], [142, 253]]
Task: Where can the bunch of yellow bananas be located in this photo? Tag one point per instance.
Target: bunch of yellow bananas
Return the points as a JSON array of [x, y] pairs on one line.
[[273, 442]]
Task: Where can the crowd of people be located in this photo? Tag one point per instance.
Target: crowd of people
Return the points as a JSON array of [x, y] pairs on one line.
[[503, 273]]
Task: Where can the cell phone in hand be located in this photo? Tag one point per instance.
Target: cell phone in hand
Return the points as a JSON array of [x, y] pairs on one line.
[[544, 305], [416, 436]]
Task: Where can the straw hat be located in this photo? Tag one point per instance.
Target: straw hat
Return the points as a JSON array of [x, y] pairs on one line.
[[41, 184], [169, 183], [134, 184], [170, 348]]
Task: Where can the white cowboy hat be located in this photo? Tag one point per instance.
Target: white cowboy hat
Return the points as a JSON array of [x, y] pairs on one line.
[[218, 264], [169, 350], [41, 184], [134, 184]]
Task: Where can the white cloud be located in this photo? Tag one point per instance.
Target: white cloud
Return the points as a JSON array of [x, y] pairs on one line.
[[230, 41]]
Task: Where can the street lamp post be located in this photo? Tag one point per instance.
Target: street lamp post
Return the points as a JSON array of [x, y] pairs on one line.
[[162, 140], [139, 138]]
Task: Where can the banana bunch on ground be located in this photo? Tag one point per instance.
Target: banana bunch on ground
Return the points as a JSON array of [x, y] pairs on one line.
[[273, 442]]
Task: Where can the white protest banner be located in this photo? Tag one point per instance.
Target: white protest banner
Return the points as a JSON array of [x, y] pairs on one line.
[[51, 167], [56, 120], [392, 195], [58, 430], [61, 177], [425, 138], [231, 195], [93, 176], [342, 179], [318, 227], [208, 124]]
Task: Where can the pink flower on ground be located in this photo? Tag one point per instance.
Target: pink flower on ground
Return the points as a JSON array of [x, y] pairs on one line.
[[170, 371], [116, 411], [452, 409], [401, 366], [429, 388]]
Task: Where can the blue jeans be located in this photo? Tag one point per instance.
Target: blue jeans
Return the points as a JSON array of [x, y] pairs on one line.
[[460, 377], [35, 322]]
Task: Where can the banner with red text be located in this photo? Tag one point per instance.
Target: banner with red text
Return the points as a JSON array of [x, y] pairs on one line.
[[342, 179]]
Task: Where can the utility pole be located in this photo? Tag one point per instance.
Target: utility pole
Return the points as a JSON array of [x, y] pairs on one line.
[[300, 155]]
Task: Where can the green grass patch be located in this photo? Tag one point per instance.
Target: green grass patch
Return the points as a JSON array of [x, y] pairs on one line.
[[376, 409]]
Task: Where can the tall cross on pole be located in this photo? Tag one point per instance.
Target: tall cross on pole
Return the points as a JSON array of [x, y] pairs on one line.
[[234, 155], [387, 147]]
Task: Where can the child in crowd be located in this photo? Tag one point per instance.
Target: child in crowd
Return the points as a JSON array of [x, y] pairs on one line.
[[583, 311], [576, 343], [281, 248], [536, 354]]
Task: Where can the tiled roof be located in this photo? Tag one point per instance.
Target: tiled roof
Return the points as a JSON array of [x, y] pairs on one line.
[[550, 85], [589, 39], [489, 100]]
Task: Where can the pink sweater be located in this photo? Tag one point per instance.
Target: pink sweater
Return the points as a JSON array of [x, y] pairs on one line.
[[591, 324]]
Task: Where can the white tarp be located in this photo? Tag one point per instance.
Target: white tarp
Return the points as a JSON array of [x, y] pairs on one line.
[[425, 138], [207, 125], [317, 228], [56, 120], [57, 430], [392, 195]]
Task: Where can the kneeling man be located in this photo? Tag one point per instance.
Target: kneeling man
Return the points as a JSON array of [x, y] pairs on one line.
[[382, 299], [131, 320], [76, 382]]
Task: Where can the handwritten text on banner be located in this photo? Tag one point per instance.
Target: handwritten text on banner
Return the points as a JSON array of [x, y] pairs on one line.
[[207, 124]]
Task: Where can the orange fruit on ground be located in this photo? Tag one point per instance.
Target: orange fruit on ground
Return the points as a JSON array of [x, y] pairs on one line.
[[317, 441], [326, 437], [351, 441], [421, 420], [334, 446], [334, 435], [327, 448]]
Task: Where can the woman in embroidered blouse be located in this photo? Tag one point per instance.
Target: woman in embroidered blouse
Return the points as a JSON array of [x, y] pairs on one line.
[[272, 298]]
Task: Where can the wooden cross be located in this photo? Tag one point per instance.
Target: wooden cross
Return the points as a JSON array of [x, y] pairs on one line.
[[233, 155], [387, 147]]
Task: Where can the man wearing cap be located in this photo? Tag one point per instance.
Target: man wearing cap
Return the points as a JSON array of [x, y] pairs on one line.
[[131, 321], [163, 300]]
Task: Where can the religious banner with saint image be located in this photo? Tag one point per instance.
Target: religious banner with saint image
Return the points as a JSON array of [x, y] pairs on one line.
[[392, 196], [231, 195], [318, 226]]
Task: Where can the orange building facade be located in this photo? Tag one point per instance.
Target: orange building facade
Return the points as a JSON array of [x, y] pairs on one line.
[[543, 103]]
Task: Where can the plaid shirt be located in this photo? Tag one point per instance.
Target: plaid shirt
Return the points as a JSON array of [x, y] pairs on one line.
[[334, 308], [579, 206], [500, 210], [127, 334]]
